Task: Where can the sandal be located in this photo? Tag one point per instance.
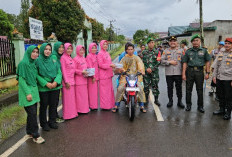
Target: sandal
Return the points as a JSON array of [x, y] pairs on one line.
[[39, 140], [142, 109], [115, 109]]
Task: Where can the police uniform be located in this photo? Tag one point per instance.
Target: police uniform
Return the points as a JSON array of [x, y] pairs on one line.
[[173, 73], [195, 59], [149, 58], [223, 74]]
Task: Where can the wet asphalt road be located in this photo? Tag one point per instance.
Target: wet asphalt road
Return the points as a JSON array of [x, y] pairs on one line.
[[104, 134]]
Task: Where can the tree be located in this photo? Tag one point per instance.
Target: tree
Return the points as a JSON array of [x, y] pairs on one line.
[[121, 39], [97, 29], [140, 36], [22, 26], [6, 28], [110, 34], [201, 20], [63, 17]]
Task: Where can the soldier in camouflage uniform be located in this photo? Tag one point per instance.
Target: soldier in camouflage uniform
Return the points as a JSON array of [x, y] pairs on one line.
[[151, 65]]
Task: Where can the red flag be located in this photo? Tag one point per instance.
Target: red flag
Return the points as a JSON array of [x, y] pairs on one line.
[[159, 56]]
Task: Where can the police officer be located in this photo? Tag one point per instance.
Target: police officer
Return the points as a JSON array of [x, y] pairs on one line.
[[171, 58], [151, 63], [222, 76], [193, 62]]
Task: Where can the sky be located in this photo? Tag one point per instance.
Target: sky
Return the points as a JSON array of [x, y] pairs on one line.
[[154, 15]]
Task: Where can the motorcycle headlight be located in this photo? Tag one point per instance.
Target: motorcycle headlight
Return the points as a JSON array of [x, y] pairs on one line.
[[132, 83]]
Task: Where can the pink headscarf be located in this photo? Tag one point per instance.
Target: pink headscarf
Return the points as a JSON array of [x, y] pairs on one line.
[[78, 48], [101, 44], [66, 45], [91, 46]]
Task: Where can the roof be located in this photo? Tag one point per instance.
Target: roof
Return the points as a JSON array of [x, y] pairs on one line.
[[197, 25], [190, 29], [174, 30]]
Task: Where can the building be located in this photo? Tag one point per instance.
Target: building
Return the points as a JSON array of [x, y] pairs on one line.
[[214, 32]]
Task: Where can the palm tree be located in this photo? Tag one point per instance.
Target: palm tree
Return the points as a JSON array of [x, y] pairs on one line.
[[201, 20]]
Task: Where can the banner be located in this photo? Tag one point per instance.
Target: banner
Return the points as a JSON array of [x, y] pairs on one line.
[[36, 29]]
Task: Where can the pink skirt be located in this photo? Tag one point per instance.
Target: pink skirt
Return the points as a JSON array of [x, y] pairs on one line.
[[69, 104], [82, 100], [93, 94], [107, 100]]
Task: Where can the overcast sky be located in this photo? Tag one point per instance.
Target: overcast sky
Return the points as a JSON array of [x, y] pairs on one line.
[[155, 15]]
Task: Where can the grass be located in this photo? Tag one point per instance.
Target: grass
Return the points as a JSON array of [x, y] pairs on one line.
[[8, 90], [114, 53], [12, 118]]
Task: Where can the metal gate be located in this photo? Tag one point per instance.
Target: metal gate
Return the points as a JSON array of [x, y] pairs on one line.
[[7, 58]]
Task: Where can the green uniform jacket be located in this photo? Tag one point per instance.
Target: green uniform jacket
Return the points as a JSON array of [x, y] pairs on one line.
[[24, 90], [196, 57], [149, 58], [42, 81]]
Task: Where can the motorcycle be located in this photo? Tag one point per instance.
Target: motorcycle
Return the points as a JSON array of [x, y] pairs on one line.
[[131, 91]]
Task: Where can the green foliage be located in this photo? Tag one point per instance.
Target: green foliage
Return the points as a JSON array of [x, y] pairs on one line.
[[6, 28], [109, 34], [121, 39], [141, 36], [97, 29], [63, 17]]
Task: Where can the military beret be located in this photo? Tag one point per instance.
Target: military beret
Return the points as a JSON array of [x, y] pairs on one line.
[[172, 38], [195, 36], [149, 39], [228, 40]]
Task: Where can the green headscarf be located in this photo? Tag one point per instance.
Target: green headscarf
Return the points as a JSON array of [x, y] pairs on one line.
[[45, 65], [27, 68], [55, 51]]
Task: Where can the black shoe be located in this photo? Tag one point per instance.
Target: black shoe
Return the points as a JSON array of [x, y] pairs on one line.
[[170, 104], [227, 115], [180, 104], [45, 128], [201, 109], [53, 126], [157, 102], [188, 108], [220, 111]]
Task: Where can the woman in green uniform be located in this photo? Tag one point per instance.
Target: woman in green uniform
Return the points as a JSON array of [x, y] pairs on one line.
[[28, 91]]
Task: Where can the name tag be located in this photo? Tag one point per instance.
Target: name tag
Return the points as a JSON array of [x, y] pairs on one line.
[[200, 53]]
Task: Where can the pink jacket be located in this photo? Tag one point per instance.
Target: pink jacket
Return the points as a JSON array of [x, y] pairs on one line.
[[104, 62], [92, 61], [67, 67], [80, 65]]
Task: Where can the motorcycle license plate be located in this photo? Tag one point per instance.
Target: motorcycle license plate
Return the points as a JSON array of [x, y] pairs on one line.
[[132, 89]]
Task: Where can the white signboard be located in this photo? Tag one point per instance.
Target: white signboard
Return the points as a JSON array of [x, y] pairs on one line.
[[36, 29]]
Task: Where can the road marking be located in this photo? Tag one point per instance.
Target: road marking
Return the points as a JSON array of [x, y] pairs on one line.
[[13, 148], [156, 108]]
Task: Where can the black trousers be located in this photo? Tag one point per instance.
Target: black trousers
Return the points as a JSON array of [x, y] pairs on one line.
[[177, 79], [50, 99], [32, 125], [197, 77], [224, 93], [57, 103]]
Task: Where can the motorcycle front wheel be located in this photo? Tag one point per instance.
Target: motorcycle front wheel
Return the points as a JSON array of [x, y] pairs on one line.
[[132, 108]]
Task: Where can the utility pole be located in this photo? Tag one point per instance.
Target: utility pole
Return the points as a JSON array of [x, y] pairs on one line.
[[111, 29], [201, 22]]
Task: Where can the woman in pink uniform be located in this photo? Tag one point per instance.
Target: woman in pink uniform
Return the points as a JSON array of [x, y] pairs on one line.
[[81, 89], [68, 90], [105, 77], [93, 81]]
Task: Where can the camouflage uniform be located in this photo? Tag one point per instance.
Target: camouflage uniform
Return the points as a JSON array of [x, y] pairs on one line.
[[149, 58]]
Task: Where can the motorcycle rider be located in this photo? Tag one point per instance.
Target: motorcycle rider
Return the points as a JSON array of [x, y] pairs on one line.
[[135, 64]]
